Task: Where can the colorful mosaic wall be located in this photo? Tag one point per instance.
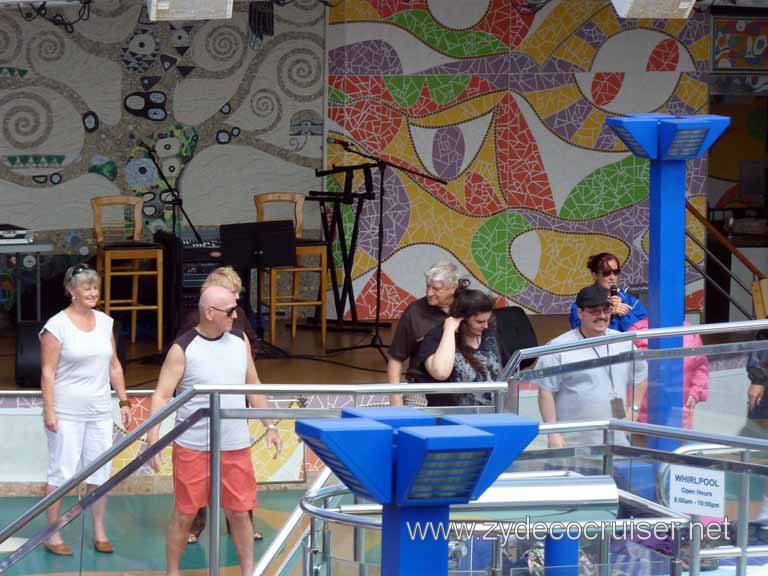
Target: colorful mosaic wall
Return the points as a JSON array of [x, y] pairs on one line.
[[507, 104], [227, 111]]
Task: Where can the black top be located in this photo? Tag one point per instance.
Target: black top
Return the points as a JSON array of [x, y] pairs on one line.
[[418, 319]]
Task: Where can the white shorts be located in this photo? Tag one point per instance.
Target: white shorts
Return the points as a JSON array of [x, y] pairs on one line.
[[78, 443]]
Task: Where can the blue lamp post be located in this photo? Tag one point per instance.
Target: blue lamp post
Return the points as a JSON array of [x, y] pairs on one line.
[[415, 468], [668, 142]]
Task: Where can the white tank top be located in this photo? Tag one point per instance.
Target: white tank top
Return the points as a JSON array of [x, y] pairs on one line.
[[219, 361], [81, 386]]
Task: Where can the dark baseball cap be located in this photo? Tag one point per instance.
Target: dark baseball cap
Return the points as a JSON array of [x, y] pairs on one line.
[[593, 295]]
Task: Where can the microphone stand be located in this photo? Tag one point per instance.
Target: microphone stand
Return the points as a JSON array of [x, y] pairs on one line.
[[376, 341], [175, 200]]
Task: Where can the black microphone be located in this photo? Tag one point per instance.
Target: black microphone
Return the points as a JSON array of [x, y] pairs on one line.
[[614, 290], [341, 143]]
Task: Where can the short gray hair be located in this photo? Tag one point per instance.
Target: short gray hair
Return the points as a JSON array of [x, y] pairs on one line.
[[79, 274], [445, 272]]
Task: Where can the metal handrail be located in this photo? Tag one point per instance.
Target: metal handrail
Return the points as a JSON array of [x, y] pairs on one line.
[[213, 391], [513, 365]]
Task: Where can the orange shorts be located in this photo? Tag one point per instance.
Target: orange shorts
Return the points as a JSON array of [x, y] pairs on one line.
[[192, 479]]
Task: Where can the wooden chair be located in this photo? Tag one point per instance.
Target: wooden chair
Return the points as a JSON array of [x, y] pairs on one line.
[[303, 248], [120, 241]]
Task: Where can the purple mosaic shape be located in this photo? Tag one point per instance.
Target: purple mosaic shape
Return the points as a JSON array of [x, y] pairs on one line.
[[678, 107], [371, 57], [696, 177], [696, 28], [591, 34], [536, 82], [511, 63], [606, 140], [555, 65], [628, 24], [397, 214], [567, 121], [448, 149], [659, 24]]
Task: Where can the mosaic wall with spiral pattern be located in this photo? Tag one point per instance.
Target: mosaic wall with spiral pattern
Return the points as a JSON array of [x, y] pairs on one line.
[[228, 113], [507, 102]]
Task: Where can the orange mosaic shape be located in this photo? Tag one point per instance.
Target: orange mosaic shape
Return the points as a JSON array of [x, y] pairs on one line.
[[394, 299], [664, 57]]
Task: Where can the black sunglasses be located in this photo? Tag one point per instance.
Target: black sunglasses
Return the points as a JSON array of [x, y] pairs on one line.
[[227, 311], [610, 272]]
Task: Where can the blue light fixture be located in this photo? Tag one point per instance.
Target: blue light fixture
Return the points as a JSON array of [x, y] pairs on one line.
[[668, 142], [428, 467]]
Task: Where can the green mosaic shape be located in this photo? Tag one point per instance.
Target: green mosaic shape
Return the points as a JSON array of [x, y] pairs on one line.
[[107, 169], [608, 189], [446, 89], [490, 249], [337, 96], [187, 136], [454, 43], [405, 90]]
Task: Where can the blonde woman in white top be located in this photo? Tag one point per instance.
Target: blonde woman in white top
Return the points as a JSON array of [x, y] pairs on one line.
[[79, 361]]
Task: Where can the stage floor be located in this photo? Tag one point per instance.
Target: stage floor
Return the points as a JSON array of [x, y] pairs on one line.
[[306, 365]]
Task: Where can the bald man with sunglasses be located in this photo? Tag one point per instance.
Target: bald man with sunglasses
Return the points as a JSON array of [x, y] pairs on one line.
[[211, 353]]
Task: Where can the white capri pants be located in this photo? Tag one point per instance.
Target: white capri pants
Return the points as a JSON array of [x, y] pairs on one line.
[[78, 443]]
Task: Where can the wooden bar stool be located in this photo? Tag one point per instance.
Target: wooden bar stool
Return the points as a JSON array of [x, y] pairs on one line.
[[119, 241], [303, 248]]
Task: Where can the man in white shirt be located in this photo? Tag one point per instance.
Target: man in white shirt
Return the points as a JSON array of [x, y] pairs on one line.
[[596, 393]]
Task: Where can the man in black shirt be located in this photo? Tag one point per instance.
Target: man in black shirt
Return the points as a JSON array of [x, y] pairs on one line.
[[418, 319]]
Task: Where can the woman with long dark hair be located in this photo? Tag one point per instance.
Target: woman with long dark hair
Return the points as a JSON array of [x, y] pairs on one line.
[[625, 308], [464, 349]]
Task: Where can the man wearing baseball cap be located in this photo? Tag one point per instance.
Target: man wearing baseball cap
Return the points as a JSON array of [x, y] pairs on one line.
[[594, 393]]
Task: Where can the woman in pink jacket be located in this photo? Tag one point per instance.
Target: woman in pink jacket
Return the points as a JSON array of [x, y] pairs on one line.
[[695, 376]]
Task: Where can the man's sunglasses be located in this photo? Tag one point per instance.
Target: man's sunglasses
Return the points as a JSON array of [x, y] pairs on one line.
[[610, 272], [227, 311]]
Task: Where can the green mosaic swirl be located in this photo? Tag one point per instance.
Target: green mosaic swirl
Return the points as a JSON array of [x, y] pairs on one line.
[[608, 189], [490, 249]]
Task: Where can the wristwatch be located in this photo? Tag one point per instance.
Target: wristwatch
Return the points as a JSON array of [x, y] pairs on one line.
[[124, 403], [271, 427]]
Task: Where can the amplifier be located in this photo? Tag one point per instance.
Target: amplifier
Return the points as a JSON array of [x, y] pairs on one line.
[[193, 273]]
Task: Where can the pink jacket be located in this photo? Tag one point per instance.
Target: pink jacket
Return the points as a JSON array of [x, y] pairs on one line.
[[695, 375]]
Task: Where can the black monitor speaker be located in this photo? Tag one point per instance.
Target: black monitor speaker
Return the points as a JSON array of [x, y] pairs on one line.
[[259, 244]]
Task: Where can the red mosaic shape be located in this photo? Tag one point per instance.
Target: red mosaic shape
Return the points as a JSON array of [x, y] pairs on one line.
[[664, 57], [387, 8], [605, 87], [394, 299], [480, 199], [505, 22], [371, 124], [695, 301], [521, 171]]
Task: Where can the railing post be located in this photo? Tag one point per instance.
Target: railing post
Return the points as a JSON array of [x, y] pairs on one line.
[[326, 546], [604, 551], [358, 546], [500, 400], [497, 557], [214, 520], [742, 528], [695, 548], [676, 562], [309, 562]]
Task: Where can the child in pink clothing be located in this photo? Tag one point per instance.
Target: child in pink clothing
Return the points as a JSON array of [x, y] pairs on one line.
[[695, 376]]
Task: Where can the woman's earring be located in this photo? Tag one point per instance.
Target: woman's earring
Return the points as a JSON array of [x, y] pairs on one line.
[[73, 299]]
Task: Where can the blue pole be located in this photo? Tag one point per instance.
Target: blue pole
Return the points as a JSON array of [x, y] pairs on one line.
[[561, 556], [666, 293], [414, 540]]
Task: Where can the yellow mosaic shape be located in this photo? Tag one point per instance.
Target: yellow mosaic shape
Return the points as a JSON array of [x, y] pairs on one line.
[[563, 263], [674, 27], [562, 22], [692, 92], [553, 100], [337, 156], [700, 49], [607, 21], [577, 51], [363, 262], [463, 112], [352, 11], [264, 464], [589, 131], [437, 224]]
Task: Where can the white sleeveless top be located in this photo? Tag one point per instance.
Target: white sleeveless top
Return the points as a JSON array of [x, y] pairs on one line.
[[81, 386], [219, 361]]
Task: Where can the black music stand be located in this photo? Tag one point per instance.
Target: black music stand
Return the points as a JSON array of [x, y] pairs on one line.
[[376, 341], [259, 245]]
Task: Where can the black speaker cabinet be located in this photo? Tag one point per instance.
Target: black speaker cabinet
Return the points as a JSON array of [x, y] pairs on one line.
[[28, 364]]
